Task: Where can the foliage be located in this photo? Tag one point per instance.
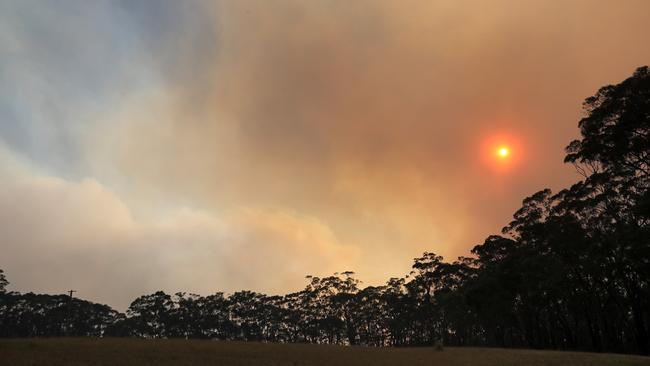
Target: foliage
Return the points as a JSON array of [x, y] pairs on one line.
[[3, 282]]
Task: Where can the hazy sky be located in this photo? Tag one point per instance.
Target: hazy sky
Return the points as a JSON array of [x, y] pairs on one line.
[[221, 145]]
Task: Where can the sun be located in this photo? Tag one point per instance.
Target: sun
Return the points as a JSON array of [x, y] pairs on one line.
[[502, 152]]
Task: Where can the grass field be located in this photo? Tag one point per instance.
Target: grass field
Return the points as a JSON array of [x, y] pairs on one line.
[[108, 352]]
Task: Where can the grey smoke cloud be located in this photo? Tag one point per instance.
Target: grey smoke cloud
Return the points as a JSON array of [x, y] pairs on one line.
[[320, 136]]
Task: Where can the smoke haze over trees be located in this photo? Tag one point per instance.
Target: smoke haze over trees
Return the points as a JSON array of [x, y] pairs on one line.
[[570, 271]]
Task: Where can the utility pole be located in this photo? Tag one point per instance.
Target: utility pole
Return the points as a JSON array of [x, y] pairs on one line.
[[68, 320]]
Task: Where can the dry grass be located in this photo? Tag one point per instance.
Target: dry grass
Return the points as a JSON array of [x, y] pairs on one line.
[[105, 352]]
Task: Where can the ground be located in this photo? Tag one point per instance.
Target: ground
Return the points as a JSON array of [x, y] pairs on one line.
[[118, 352]]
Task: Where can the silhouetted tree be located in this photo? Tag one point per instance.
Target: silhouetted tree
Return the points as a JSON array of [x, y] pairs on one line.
[[3, 282], [151, 315]]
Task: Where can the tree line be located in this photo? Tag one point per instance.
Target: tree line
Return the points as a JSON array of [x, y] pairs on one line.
[[570, 271]]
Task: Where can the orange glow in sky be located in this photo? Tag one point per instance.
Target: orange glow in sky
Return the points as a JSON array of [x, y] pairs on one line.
[[502, 151]]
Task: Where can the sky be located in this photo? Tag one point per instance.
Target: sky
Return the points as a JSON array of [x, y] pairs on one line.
[[206, 146]]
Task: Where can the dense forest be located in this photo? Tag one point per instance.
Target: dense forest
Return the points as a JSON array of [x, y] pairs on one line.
[[571, 271]]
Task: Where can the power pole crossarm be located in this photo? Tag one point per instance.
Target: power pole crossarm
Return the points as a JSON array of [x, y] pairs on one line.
[[68, 323]]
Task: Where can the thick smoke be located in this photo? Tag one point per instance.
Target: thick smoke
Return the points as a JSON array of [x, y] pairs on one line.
[[245, 144]]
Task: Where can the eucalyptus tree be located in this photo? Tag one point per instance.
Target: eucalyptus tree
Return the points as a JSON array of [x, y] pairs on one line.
[[3, 282], [614, 156], [151, 315]]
